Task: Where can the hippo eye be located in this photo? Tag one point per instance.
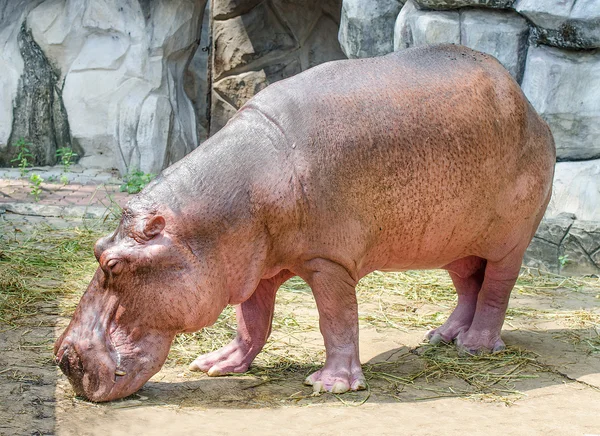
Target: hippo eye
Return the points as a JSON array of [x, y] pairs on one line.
[[114, 265]]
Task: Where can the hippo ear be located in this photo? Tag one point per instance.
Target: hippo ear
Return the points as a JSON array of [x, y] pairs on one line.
[[154, 226]]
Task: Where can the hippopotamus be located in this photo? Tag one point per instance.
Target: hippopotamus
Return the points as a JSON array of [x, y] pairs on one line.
[[425, 158]]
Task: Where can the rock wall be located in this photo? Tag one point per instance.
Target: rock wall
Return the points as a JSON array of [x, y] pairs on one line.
[[123, 83], [256, 43], [552, 49], [104, 77]]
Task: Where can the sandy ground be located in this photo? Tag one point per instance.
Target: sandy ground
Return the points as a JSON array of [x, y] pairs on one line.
[[557, 394]]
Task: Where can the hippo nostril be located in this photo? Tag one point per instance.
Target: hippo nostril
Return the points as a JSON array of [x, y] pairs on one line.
[[70, 363]]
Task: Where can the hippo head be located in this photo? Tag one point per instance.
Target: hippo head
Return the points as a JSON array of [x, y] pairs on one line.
[[148, 287]]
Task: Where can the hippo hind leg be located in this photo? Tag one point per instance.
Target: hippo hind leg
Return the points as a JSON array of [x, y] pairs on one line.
[[492, 301], [254, 317], [467, 276]]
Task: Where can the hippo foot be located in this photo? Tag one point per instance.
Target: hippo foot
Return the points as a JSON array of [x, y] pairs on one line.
[[446, 333], [337, 380], [476, 343], [233, 358]]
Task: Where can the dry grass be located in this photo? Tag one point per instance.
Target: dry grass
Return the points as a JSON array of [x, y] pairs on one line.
[[41, 265], [53, 266], [444, 373]]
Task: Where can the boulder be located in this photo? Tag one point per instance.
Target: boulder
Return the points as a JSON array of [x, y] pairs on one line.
[[564, 23], [503, 34], [415, 27], [244, 40], [578, 252], [112, 58], [455, 4], [367, 27], [31, 105], [564, 87], [576, 190], [258, 44], [565, 246], [196, 78]]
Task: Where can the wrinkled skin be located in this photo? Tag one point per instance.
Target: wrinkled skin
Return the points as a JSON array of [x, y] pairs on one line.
[[425, 158]]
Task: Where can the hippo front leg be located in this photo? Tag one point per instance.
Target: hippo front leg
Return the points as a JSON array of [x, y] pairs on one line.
[[335, 295], [254, 317]]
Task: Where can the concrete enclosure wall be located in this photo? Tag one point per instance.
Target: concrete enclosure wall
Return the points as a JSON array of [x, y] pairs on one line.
[[137, 84]]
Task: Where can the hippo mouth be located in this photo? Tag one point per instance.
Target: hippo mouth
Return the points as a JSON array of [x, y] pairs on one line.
[[106, 373]]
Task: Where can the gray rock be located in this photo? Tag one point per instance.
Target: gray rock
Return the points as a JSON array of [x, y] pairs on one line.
[[320, 47], [367, 27], [574, 259], [565, 246], [554, 230], [564, 87], [109, 58], [196, 78], [576, 189], [587, 233], [152, 135], [12, 15], [542, 255], [243, 41], [564, 23], [503, 34], [225, 9], [415, 27], [259, 45], [455, 4], [36, 111]]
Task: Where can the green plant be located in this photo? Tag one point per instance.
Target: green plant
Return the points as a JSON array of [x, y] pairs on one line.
[[564, 260], [66, 157], [36, 181], [23, 156], [135, 181]]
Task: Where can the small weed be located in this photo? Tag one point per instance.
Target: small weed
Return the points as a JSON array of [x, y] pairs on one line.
[[135, 181], [36, 181], [66, 157], [564, 260], [23, 156]]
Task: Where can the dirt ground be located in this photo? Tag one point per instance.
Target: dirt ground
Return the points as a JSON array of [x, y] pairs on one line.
[[548, 381]]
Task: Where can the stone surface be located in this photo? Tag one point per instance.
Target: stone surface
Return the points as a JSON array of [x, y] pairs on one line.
[[565, 246], [564, 87], [32, 98], [255, 46], [12, 16], [554, 230], [241, 40], [578, 248], [455, 4], [503, 34], [367, 27], [564, 23], [196, 78], [112, 58], [576, 190], [542, 255], [415, 27]]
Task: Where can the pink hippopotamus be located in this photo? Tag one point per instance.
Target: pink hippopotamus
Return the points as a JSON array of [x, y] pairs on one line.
[[425, 158]]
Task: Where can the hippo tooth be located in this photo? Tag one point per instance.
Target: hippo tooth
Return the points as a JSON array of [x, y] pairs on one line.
[[120, 372]]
